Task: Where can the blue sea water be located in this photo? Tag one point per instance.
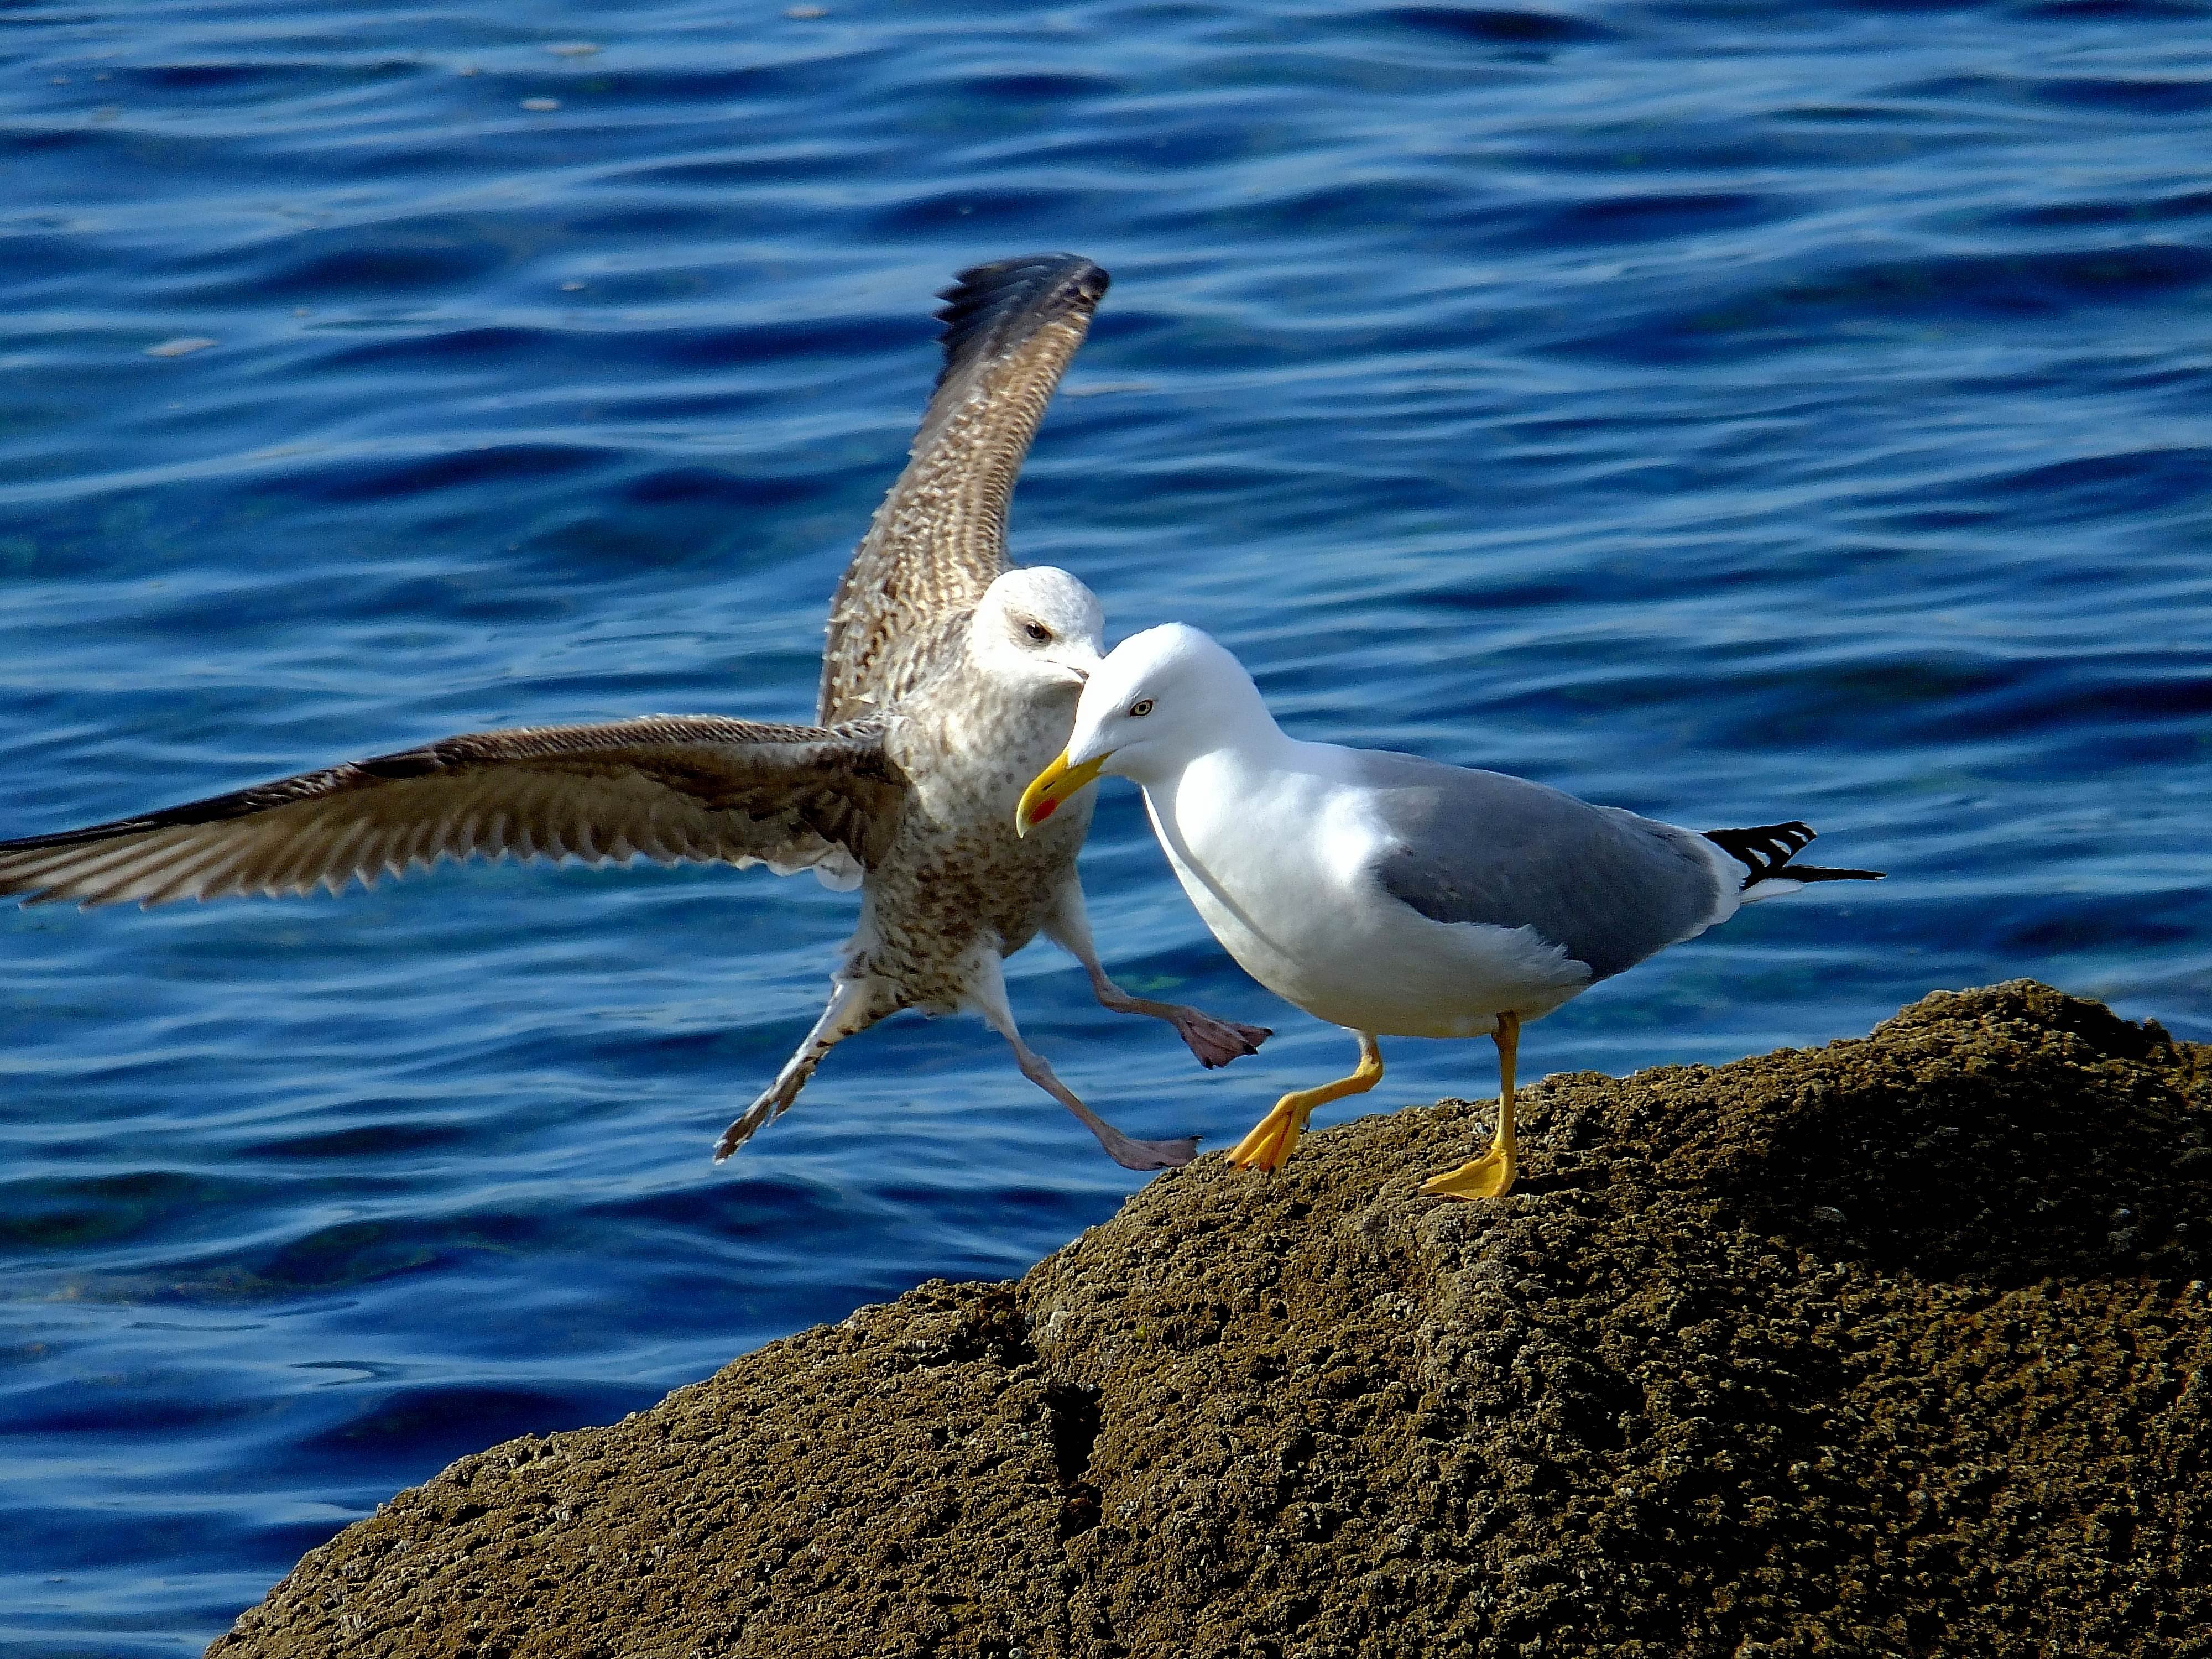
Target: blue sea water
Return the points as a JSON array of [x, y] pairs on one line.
[[1729, 412]]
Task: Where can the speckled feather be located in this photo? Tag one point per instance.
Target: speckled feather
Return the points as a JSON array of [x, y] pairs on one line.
[[668, 787], [955, 875], [939, 538]]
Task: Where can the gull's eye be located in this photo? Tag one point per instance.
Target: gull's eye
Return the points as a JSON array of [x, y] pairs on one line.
[[1037, 631], [1142, 707]]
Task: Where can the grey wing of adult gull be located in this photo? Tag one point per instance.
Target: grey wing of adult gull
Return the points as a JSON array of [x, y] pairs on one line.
[[668, 787], [1480, 847], [939, 538]]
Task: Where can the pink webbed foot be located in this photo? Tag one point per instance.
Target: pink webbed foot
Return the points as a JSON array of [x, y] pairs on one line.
[[1217, 1041]]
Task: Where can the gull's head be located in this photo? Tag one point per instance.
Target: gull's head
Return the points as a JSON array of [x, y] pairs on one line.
[[1160, 699], [1039, 628]]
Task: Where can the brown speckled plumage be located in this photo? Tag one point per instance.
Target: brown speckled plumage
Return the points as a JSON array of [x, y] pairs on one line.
[[955, 878], [938, 541], [907, 786], [669, 787]]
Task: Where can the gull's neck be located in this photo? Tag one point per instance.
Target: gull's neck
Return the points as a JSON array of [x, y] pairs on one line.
[[1208, 797], [1242, 731]]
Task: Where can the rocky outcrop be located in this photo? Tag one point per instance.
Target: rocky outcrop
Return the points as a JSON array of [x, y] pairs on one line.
[[1898, 1345]]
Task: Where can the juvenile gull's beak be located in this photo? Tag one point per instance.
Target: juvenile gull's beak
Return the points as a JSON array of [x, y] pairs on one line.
[[1051, 787]]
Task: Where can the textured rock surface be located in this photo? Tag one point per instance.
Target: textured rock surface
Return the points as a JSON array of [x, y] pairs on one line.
[[1898, 1346]]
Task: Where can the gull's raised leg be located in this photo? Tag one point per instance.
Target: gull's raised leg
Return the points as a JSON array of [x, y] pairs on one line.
[[1215, 1042], [1272, 1137], [1492, 1174], [854, 1005], [987, 991]]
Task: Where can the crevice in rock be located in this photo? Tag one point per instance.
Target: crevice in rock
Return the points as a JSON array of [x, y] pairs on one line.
[[1074, 1418]]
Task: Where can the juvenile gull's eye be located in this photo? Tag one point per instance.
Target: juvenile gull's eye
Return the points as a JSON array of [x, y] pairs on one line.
[[1141, 708], [1037, 631]]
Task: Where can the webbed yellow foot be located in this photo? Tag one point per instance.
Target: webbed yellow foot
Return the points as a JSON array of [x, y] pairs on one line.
[[1274, 1136], [1492, 1174], [1489, 1176], [1270, 1140]]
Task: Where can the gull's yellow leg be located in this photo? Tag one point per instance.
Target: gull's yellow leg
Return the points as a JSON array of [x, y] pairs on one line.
[[1492, 1174], [1273, 1136]]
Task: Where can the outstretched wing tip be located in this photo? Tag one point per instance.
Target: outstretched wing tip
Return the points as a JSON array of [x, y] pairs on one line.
[[988, 307], [674, 789], [1767, 852], [937, 541]]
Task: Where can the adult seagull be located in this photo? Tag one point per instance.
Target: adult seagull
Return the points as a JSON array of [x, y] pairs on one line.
[[949, 678], [1393, 895]]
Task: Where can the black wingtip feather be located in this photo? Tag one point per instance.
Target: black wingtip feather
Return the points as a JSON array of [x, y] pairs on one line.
[[987, 306], [1765, 851]]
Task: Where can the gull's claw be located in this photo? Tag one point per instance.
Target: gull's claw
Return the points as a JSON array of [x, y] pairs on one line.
[[1489, 1176], [1153, 1154], [1270, 1142], [1217, 1041]]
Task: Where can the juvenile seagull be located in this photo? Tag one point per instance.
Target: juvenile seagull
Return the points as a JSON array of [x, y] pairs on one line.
[[949, 678], [1393, 896]]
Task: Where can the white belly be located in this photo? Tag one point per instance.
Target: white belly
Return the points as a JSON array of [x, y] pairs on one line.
[[1277, 865]]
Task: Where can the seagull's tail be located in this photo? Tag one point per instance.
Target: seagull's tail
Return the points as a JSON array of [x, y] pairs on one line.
[[1766, 851]]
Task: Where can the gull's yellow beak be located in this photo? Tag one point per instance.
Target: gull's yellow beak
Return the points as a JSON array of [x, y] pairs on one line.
[[1049, 788]]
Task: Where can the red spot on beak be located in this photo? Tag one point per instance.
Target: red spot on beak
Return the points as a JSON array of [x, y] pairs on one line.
[[1045, 809]]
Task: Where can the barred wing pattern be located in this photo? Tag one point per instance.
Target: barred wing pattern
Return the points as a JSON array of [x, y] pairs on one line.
[[939, 538], [668, 787]]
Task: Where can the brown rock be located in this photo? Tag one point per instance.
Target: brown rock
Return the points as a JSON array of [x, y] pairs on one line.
[[1898, 1346]]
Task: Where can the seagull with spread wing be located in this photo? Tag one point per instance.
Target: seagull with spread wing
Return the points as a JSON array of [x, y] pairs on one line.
[[949, 679]]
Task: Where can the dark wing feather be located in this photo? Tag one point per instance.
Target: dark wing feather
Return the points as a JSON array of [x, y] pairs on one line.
[[668, 788], [939, 538], [1769, 850]]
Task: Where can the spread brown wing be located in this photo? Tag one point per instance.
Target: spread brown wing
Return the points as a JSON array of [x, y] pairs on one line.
[[670, 788], [939, 538]]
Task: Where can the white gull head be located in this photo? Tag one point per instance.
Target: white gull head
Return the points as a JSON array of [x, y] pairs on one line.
[[1161, 699], [1039, 628]]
